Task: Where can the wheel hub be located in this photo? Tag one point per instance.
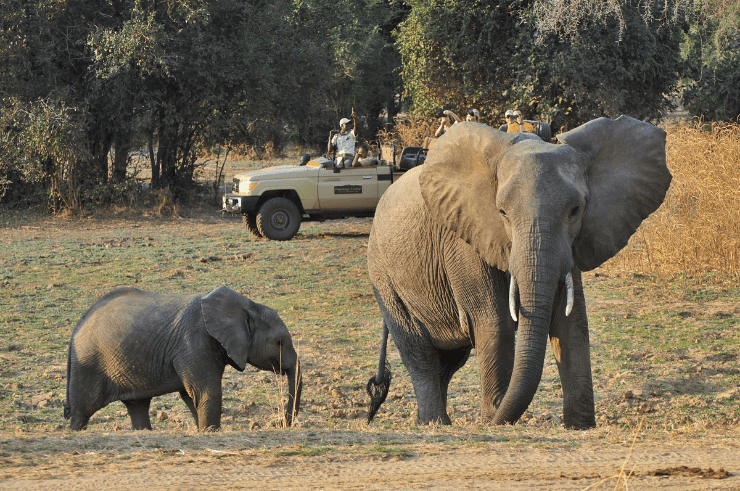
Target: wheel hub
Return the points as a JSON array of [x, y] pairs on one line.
[[279, 220]]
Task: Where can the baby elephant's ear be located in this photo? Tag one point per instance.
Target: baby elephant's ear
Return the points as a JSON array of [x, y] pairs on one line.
[[225, 315], [627, 180]]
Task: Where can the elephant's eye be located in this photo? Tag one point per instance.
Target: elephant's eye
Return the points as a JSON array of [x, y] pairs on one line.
[[503, 213], [574, 211]]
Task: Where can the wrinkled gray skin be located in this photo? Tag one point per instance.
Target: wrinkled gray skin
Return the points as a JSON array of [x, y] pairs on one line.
[[488, 207], [133, 345]]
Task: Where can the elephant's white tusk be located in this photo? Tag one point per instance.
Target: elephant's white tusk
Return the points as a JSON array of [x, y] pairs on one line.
[[512, 298], [569, 286]]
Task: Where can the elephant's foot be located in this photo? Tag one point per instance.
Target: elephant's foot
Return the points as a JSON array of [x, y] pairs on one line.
[[78, 423], [138, 411], [580, 422], [442, 419]]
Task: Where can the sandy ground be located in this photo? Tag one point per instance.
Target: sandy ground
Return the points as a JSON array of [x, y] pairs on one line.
[[586, 466]]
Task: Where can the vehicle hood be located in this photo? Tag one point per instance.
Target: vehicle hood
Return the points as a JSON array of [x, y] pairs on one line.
[[277, 172]]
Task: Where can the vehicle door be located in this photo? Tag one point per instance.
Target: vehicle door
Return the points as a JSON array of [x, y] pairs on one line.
[[353, 188]]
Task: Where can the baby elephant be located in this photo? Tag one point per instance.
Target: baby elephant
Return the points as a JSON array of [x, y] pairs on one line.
[[133, 345]]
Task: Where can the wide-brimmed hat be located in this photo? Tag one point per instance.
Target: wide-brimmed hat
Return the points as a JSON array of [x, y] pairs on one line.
[[344, 121]]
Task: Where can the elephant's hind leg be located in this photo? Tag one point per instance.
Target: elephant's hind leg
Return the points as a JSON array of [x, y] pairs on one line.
[[430, 377], [138, 411], [450, 362]]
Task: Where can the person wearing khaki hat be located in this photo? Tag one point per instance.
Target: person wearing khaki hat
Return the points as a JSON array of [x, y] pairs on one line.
[[344, 141], [515, 122]]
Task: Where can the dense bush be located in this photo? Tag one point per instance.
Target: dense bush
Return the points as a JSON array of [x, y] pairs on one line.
[[168, 79]]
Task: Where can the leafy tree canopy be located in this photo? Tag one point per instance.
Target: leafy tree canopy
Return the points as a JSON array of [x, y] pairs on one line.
[[496, 56]]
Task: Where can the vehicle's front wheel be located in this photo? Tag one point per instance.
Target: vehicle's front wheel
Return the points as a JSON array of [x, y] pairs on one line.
[[278, 219], [250, 222]]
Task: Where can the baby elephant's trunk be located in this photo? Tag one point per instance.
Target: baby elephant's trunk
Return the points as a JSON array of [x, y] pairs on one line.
[[295, 387]]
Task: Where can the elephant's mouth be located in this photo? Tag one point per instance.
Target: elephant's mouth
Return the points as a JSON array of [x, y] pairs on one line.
[[514, 296]]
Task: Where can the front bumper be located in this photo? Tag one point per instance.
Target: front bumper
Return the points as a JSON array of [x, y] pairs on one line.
[[234, 203]]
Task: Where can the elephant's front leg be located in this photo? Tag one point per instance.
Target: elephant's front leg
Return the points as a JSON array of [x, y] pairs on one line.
[[495, 341], [205, 401], [494, 348], [570, 344], [189, 403]]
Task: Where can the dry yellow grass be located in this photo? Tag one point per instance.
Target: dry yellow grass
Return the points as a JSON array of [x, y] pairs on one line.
[[697, 229]]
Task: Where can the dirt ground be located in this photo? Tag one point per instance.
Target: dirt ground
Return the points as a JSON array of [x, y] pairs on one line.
[[709, 464], [351, 455]]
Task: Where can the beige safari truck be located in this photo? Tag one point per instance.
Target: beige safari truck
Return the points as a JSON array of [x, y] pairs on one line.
[[275, 200]]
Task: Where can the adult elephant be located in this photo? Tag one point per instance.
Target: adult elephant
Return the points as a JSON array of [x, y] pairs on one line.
[[489, 238], [133, 345]]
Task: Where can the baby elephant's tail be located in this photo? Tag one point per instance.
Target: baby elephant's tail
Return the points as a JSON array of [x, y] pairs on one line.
[[377, 386]]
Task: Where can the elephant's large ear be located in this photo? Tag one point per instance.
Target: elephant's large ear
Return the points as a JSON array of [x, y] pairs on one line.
[[225, 314], [458, 183], [628, 180]]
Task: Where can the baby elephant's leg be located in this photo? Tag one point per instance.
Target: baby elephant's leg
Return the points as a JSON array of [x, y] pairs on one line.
[[189, 403], [206, 400], [139, 412]]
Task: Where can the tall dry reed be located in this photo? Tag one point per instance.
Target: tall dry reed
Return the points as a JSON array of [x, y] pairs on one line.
[[697, 229]]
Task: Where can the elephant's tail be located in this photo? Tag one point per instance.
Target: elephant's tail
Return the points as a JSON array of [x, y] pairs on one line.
[[377, 386]]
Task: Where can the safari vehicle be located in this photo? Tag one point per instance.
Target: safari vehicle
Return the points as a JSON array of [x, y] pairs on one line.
[[275, 200], [541, 129]]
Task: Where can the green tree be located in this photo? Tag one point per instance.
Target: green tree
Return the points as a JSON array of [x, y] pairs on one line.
[[495, 56], [181, 76], [711, 54]]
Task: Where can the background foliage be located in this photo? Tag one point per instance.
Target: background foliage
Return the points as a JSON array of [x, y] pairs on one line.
[[106, 79], [85, 86]]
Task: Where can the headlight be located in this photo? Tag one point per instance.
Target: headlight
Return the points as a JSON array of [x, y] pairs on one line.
[[235, 186]]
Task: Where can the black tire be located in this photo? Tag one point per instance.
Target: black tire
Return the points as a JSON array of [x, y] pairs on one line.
[[250, 221], [278, 219], [543, 131]]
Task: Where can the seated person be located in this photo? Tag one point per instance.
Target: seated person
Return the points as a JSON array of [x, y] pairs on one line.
[[516, 124], [361, 159], [473, 115], [446, 119]]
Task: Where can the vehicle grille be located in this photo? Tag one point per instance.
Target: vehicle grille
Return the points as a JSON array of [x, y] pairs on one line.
[[235, 186]]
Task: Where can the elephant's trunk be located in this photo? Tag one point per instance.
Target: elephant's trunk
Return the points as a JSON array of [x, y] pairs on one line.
[[295, 387], [537, 283]]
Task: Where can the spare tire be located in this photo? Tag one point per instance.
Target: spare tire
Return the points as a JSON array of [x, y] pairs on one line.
[[543, 131]]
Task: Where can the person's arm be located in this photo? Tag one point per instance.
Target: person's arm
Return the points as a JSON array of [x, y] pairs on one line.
[[453, 115], [441, 128], [354, 123], [332, 142]]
